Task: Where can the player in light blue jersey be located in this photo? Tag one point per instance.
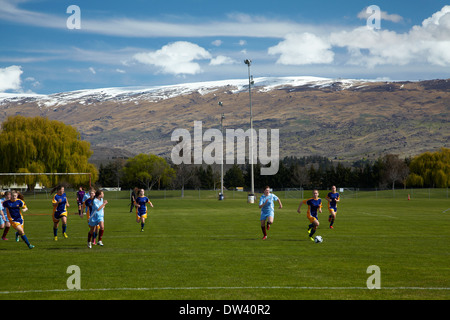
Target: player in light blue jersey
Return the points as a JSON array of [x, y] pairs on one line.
[[4, 221], [267, 210], [97, 217]]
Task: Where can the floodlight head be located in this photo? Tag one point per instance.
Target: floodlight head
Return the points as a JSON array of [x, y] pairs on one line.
[[248, 62]]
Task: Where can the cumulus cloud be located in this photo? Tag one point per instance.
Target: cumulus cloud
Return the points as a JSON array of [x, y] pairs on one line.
[[219, 60], [304, 48], [175, 58], [10, 78], [428, 42]]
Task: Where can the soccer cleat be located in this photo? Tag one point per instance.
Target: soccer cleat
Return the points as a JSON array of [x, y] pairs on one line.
[[4, 238], [55, 238], [65, 235], [309, 230], [17, 237], [264, 238], [100, 243], [30, 246], [90, 245], [311, 238], [331, 227], [142, 230]]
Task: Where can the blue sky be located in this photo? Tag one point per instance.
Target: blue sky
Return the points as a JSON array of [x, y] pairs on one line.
[[156, 42]]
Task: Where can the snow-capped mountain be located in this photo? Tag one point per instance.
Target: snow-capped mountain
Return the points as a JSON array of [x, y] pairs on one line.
[[338, 118], [158, 93]]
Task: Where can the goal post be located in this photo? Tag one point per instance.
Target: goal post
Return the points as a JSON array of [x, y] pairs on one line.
[[47, 174]]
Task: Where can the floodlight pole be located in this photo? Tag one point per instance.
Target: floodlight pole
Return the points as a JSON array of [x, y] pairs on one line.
[[221, 197], [250, 82]]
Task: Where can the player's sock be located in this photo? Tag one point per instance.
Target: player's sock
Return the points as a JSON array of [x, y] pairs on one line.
[[25, 239], [89, 236], [313, 230], [331, 223], [264, 231], [100, 235], [64, 227], [142, 225], [5, 232], [55, 231]]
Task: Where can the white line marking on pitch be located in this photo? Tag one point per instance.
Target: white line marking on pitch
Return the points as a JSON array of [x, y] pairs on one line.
[[220, 288]]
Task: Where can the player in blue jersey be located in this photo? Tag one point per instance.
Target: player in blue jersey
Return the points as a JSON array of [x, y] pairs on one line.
[[141, 208], [14, 208], [80, 195], [60, 204], [314, 207], [4, 221], [332, 198], [97, 218], [266, 202]]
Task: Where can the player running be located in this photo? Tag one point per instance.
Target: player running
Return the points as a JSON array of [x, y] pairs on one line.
[[314, 207], [4, 221], [267, 210], [14, 208], [97, 218], [332, 198], [60, 204], [80, 196], [141, 208]]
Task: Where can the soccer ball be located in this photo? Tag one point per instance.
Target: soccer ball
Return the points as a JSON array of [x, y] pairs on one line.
[[318, 239]]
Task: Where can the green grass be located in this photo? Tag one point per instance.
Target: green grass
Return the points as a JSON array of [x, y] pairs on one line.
[[209, 249]]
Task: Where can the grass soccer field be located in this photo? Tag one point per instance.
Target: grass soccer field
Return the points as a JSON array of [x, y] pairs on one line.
[[208, 249]]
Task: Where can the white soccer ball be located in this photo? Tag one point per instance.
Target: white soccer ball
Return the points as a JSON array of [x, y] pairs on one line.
[[318, 239]]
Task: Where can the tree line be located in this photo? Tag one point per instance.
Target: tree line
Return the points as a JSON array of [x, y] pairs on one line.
[[40, 145], [430, 169]]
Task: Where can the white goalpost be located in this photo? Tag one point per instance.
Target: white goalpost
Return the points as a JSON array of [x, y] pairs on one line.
[[47, 174]]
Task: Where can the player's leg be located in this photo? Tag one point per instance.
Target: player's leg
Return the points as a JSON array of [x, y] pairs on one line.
[[263, 226], [100, 233], [64, 226], [332, 217], [269, 222], [21, 233]]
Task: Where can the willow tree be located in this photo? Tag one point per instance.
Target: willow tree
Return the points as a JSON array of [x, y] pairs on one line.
[[37, 144], [431, 169]]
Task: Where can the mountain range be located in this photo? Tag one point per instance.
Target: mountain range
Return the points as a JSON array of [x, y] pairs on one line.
[[343, 119]]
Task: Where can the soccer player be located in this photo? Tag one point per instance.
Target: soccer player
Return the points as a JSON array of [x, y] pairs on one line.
[[88, 203], [97, 218], [141, 208], [60, 204], [314, 207], [4, 222], [267, 209], [14, 208], [332, 198], [80, 196]]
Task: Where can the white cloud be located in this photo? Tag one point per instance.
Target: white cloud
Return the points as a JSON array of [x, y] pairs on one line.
[[383, 15], [427, 43], [92, 70], [175, 58], [300, 49], [219, 60], [10, 78], [217, 43]]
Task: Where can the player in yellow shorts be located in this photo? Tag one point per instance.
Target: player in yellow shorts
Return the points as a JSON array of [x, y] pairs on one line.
[[314, 207], [332, 198], [13, 208]]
